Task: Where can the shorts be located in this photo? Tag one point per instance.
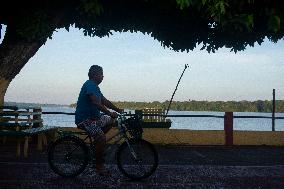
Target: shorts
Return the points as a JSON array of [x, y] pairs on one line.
[[95, 128]]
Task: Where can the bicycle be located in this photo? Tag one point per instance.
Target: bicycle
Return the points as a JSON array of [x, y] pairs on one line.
[[135, 157]]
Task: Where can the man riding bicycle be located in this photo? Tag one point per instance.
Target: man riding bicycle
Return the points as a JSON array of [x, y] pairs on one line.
[[91, 102]]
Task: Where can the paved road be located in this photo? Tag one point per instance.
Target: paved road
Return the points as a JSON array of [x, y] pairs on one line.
[[180, 167]]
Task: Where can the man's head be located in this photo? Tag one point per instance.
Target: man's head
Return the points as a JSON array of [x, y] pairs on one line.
[[96, 73]]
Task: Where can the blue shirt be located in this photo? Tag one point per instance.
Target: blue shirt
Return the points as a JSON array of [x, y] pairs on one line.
[[85, 108]]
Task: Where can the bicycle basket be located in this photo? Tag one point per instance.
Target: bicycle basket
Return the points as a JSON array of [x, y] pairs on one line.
[[134, 127]]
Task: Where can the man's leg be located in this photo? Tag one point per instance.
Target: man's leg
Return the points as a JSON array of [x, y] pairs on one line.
[[105, 123], [108, 127], [93, 129], [100, 145]]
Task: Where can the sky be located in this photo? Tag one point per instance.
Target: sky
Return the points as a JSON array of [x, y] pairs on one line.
[[137, 68]]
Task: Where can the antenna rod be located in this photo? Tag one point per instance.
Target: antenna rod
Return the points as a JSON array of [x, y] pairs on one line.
[[185, 66]]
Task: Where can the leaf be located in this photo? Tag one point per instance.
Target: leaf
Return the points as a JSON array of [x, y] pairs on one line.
[[67, 28], [92, 7], [184, 3], [220, 6], [274, 23], [250, 20]]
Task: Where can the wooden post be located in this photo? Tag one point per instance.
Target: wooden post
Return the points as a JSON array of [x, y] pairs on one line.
[[228, 127], [26, 146], [37, 117], [35, 125], [18, 129], [139, 113], [273, 111]]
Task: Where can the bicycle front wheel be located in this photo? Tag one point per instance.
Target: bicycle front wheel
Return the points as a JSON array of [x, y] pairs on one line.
[[137, 159], [68, 156]]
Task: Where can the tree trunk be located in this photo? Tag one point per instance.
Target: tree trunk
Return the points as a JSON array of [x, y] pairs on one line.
[[3, 88], [15, 52]]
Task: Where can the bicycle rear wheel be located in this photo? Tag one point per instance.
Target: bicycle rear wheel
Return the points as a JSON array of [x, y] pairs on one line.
[[68, 156], [137, 160]]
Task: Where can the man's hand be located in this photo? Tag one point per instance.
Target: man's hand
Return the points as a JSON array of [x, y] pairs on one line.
[[120, 111], [113, 115]]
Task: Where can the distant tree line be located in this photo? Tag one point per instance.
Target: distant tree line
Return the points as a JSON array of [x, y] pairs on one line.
[[24, 104], [222, 106]]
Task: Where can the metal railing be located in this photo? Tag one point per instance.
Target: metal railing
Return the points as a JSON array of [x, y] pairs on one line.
[[188, 115]]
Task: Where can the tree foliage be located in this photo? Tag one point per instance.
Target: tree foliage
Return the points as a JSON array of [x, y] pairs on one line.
[[179, 25], [220, 106]]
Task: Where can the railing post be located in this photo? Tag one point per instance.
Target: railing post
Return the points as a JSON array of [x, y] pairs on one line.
[[37, 117], [273, 111], [228, 128], [139, 114]]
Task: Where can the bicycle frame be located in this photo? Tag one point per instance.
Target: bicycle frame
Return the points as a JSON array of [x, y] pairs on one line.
[[121, 134]]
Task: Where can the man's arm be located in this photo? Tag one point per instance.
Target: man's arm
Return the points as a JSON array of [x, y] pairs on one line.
[[98, 102], [110, 105]]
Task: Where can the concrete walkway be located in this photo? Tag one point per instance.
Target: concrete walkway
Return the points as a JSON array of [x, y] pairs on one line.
[[179, 167]]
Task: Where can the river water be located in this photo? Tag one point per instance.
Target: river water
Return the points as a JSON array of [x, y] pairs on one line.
[[193, 123]]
